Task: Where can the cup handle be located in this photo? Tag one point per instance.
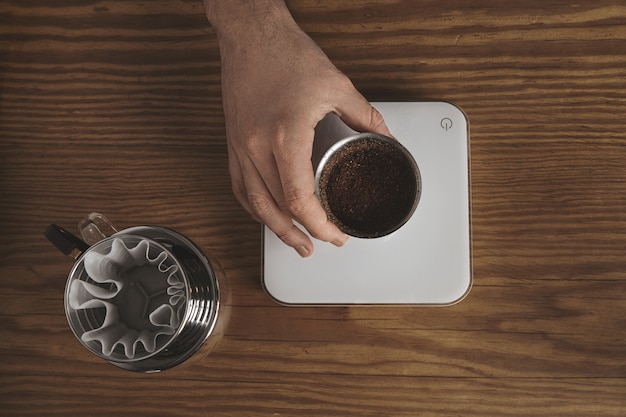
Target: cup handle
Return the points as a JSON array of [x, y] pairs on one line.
[[64, 241], [95, 227]]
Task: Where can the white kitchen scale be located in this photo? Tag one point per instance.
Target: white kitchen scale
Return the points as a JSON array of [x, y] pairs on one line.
[[425, 262]]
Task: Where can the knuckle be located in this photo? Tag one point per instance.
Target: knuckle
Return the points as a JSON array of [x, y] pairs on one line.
[[282, 205], [261, 204], [319, 230], [343, 80], [251, 144], [376, 119], [285, 235], [316, 235], [296, 201]]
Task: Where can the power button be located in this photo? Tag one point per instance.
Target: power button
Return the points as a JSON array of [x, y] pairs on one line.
[[446, 123]]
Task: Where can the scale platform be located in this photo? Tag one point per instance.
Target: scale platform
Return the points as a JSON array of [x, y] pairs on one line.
[[425, 262]]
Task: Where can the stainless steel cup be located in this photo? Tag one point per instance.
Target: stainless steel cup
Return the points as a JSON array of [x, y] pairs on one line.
[[368, 184]]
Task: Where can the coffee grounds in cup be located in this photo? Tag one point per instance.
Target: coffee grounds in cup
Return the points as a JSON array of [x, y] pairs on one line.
[[369, 187]]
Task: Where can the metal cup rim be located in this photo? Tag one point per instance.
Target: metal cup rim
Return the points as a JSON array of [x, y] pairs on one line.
[[347, 141]]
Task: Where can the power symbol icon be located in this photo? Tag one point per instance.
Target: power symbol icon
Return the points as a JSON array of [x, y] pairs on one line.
[[446, 124]]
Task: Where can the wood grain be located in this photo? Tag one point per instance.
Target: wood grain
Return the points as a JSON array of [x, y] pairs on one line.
[[115, 106]]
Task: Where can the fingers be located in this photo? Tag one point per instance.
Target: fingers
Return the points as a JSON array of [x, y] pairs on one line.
[[295, 170], [298, 187], [276, 185], [253, 194], [273, 178]]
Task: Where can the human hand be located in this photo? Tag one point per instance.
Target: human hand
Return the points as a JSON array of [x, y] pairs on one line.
[[277, 84]]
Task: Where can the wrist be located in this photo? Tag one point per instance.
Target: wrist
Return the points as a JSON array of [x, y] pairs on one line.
[[234, 19]]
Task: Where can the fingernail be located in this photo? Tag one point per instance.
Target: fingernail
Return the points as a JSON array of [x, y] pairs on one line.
[[340, 242], [302, 251]]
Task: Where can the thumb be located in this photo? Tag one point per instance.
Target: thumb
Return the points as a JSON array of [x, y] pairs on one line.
[[360, 115]]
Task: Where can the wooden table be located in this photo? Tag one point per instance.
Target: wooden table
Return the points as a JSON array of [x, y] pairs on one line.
[[115, 106]]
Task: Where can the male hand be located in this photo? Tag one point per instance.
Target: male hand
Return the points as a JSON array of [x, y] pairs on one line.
[[277, 84]]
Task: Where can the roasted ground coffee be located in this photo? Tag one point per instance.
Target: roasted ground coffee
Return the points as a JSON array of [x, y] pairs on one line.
[[369, 187]]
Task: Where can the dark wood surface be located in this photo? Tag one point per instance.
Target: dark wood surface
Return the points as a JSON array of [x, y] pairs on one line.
[[115, 106]]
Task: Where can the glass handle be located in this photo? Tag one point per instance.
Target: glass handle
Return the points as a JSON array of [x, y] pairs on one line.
[[95, 227], [64, 241]]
